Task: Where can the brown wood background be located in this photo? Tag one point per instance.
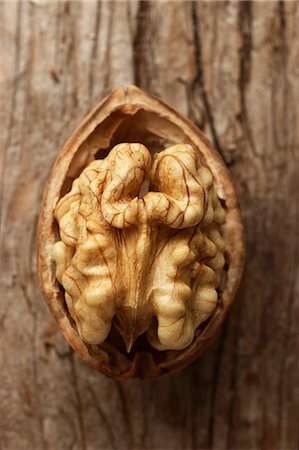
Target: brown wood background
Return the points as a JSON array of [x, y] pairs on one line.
[[233, 68]]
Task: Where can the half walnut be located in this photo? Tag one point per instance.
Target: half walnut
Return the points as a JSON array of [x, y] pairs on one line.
[[145, 239]]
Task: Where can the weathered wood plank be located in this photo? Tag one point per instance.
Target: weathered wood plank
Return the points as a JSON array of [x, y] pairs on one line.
[[232, 67]]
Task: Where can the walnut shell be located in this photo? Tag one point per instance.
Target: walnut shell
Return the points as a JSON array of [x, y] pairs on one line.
[[147, 338]]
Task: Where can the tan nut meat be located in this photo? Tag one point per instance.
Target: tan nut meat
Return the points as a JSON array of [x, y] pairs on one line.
[[139, 259], [139, 240]]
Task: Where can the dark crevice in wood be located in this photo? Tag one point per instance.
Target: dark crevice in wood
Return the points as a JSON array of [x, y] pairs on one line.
[[66, 45], [38, 401], [4, 314], [280, 80], [48, 346], [282, 383], [145, 404], [23, 285], [194, 426], [126, 414], [282, 16], [245, 29], [103, 418], [94, 50], [32, 302], [140, 46], [284, 61], [107, 57], [79, 408], [199, 79], [71, 55], [233, 395], [215, 379], [33, 338], [60, 38]]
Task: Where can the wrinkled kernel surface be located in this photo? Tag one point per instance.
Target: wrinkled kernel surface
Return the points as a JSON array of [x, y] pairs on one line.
[[149, 265]]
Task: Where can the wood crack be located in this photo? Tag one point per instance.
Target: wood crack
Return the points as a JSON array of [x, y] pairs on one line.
[[290, 314], [79, 408], [140, 46], [126, 414], [245, 29], [215, 379], [103, 417], [94, 50], [199, 79], [107, 58], [284, 52], [231, 412]]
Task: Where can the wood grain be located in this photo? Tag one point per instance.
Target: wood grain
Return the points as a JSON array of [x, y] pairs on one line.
[[232, 67]]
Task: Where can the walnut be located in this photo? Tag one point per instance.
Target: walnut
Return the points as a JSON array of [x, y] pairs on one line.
[[145, 239]]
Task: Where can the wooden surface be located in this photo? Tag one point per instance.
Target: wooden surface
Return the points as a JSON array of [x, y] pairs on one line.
[[233, 68]]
